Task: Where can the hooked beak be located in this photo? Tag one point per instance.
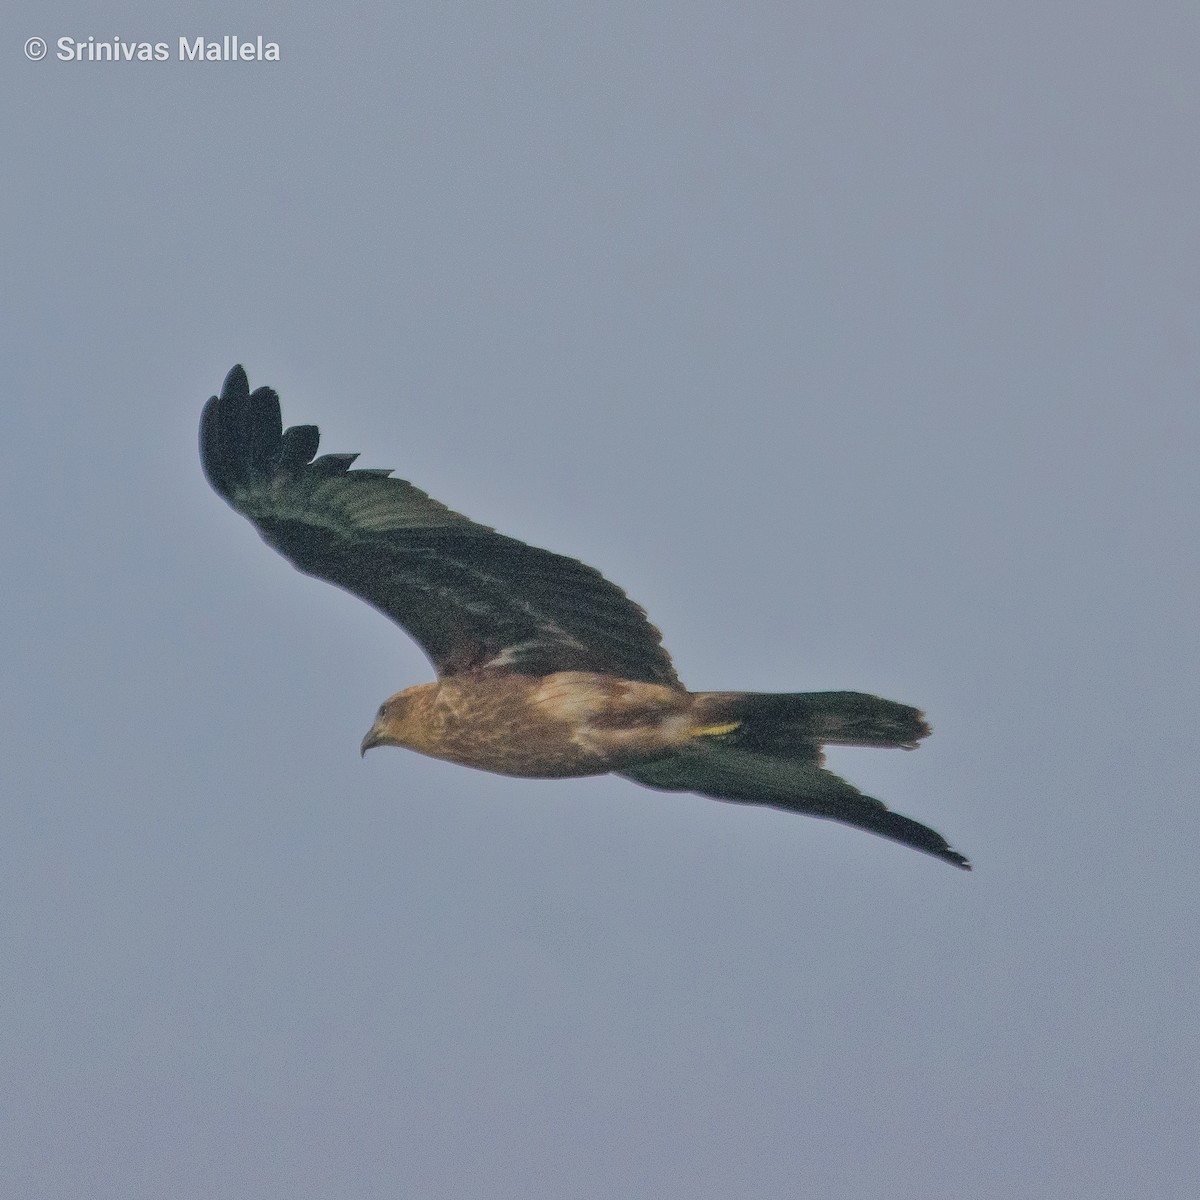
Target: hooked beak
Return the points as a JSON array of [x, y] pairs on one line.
[[373, 738]]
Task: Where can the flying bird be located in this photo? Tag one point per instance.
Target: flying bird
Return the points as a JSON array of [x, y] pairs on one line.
[[545, 669]]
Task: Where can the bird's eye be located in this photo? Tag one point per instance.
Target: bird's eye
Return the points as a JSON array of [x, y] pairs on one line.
[[382, 710]]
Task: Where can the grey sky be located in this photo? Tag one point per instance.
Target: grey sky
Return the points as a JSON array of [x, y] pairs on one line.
[[859, 344]]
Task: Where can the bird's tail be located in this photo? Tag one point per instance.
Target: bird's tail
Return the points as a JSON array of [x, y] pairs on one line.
[[785, 721]]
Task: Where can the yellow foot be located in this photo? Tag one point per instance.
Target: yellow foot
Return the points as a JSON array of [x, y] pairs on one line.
[[714, 730]]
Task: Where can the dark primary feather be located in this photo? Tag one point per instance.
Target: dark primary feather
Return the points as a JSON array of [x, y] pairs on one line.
[[468, 595], [795, 782]]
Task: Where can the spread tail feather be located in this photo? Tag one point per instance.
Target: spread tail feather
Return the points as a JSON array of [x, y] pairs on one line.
[[727, 771]]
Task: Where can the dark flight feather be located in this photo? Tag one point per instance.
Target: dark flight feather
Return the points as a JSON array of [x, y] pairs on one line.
[[722, 770], [471, 597]]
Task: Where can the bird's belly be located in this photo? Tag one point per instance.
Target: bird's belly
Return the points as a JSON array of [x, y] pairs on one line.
[[535, 755], [541, 767]]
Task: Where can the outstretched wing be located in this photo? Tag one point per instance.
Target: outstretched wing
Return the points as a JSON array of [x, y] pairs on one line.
[[796, 782], [472, 598]]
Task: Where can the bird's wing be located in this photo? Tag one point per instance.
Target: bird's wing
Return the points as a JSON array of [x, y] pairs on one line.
[[796, 782], [472, 598]]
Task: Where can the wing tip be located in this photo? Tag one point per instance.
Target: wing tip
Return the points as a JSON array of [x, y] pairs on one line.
[[241, 434], [912, 833], [236, 385]]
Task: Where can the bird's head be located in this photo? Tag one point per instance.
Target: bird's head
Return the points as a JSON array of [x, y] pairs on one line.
[[399, 721]]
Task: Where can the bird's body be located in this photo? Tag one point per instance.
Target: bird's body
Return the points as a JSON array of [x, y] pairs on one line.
[[545, 668], [567, 724]]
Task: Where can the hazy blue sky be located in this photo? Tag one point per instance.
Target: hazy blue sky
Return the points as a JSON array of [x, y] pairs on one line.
[[861, 344]]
